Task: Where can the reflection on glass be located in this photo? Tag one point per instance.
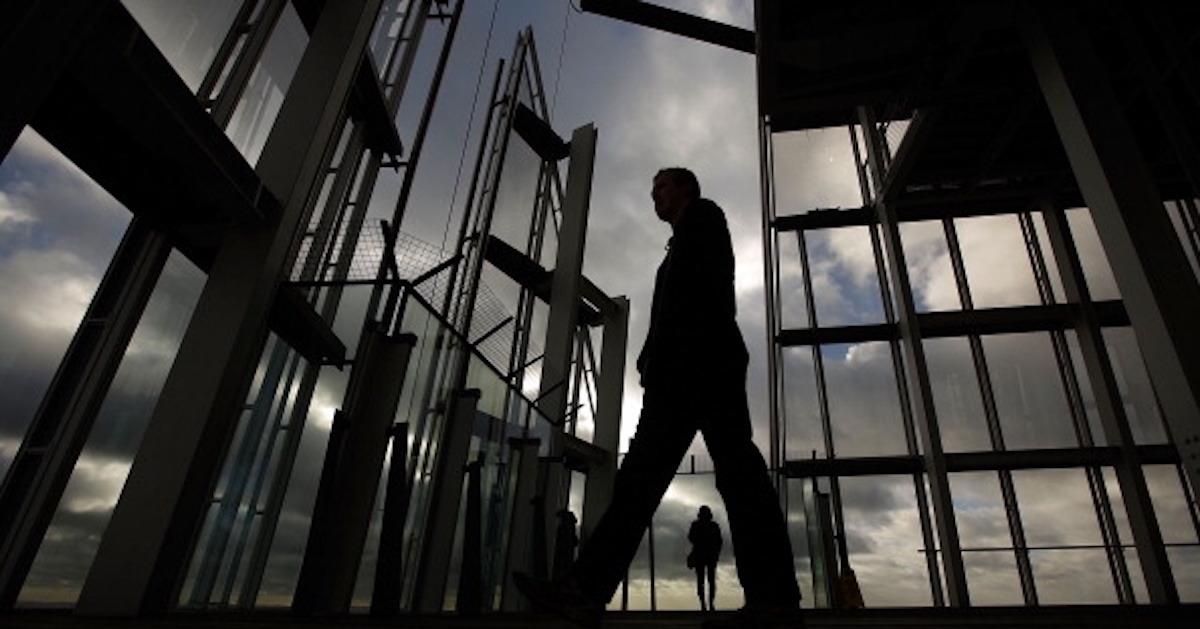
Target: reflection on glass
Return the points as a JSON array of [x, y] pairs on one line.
[[864, 405], [814, 169], [845, 282], [982, 524], [1072, 576], [1137, 395], [187, 33], [291, 531], [883, 534], [263, 96], [997, 261], [956, 395], [802, 416], [70, 544], [1029, 394], [928, 264]]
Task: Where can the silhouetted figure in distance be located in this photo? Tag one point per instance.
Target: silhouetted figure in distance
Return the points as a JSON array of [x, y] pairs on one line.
[[693, 369], [705, 536]]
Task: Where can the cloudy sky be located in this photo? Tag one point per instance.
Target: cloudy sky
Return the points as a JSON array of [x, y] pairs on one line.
[[657, 100]]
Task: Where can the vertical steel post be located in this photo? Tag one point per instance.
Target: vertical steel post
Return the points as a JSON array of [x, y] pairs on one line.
[[610, 386]]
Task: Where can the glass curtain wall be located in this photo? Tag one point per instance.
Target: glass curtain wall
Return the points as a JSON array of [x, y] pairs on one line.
[[1028, 536]]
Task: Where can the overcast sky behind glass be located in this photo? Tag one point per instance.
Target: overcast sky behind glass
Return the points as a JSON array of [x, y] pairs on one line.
[[657, 100]]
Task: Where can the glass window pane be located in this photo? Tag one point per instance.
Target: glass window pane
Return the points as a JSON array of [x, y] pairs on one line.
[[1056, 507], [1028, 389], [883, 535], [1137, 394], [71, 541], [792, 306], [814, 169], [983, 533], [864, 405], [187, 33], [956, 395], [929, 270], [58, 231], [802, 417], [844, 278], [1185, 565], [1170, 504], [255, 114], [798, 533], [997, 261], [1096, 270], [1074, 576]]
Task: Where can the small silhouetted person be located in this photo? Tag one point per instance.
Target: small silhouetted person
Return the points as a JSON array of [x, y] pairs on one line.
[[565, 541], [693, 369], [705, 536]]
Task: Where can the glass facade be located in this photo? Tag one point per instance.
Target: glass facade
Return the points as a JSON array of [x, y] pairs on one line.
[[1006, 379]]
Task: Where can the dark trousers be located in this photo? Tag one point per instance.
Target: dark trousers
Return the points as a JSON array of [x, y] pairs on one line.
[[711, 570], [670, 418]]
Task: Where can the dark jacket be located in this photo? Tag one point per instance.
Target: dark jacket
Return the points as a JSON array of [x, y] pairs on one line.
[[693, 335], [705, 536]]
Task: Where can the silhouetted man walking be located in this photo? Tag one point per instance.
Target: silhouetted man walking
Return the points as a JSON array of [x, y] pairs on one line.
[[693, 370]]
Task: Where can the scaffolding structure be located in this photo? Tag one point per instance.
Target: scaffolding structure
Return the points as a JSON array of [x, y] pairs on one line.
[[435, 402]]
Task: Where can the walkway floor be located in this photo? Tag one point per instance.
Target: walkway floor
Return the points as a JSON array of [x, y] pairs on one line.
[[1067, 617]]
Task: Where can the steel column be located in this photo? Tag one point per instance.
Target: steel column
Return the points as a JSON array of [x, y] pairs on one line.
[[610, 386], [562, 321]]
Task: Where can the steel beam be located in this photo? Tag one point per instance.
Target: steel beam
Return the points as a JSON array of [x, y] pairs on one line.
[[671, 21], [143, 555], [1147, 259]]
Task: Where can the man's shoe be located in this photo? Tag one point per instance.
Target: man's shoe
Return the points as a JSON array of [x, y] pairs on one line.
[[759, 618], [562, 597]]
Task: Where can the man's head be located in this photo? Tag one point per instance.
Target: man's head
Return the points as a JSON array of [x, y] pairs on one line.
[[705, 513], [674, 188]]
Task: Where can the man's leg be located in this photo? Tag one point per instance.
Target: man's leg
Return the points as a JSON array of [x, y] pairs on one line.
[[760, 539], [663, 436], [700, 585]]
